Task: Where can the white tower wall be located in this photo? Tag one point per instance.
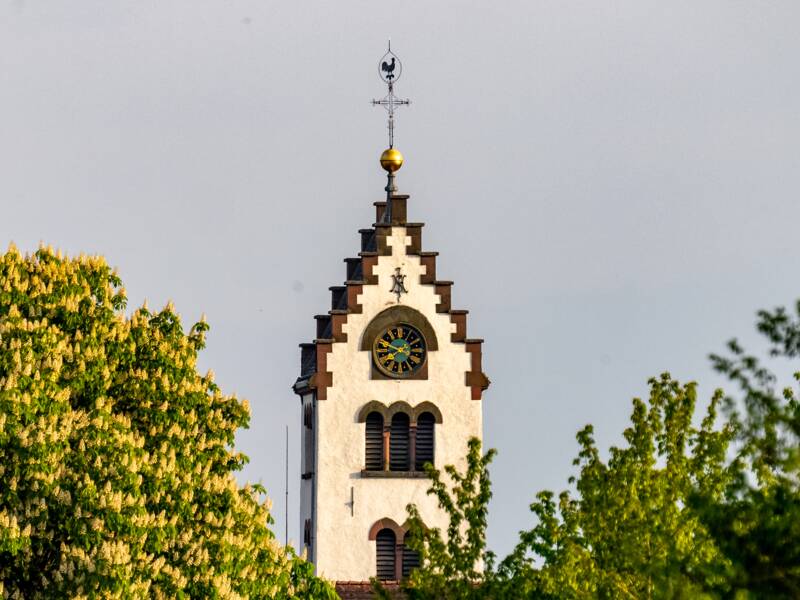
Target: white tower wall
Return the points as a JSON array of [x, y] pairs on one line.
[[333, 455]]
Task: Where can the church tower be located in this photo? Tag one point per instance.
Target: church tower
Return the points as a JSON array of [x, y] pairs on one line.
[[390, 382]]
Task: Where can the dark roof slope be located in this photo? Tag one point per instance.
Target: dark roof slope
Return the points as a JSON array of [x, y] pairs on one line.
[[362, 590]]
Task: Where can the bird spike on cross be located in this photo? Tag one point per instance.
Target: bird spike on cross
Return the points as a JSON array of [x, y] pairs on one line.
[[389, 69]]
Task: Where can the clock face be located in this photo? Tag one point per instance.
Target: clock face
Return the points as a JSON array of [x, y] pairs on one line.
[[399, 351]]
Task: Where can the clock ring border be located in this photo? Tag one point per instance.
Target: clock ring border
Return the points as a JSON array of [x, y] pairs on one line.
[[387, 372]]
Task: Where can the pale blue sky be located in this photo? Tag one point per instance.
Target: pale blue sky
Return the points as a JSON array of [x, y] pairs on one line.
[[613, 186]]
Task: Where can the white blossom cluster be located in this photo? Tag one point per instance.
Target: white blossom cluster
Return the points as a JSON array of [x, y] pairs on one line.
[[116, 456]]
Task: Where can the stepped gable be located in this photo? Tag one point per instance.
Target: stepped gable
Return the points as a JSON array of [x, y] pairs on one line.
[[313, 355]]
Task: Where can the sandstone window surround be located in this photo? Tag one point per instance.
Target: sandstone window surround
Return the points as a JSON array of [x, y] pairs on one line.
[[394, 559], [398, 439]]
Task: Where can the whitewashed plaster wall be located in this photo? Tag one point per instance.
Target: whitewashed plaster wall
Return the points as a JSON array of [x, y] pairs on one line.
[[343, 550]]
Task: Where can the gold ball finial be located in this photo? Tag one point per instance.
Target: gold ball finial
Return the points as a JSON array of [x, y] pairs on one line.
[[391, 160]]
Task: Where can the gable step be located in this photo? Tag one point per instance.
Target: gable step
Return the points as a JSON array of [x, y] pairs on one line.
[[338, 297], [380, 207], [368, 241], [428, 260], [324, 329], [443, 288], [308, 359], [355, 271], [459, 318]]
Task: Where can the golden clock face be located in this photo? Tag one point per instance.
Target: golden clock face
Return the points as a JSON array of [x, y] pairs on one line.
[[399, 351]]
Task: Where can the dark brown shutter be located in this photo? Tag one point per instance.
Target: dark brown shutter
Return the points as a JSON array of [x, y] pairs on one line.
[[374, 442], [398, 443], [425, 438], [385, 550], [410, 559]]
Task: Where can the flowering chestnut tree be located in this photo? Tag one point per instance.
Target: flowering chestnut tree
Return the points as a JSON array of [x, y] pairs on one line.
[[116, 456]]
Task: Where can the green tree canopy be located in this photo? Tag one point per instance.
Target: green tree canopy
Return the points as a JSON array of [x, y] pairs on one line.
[[628, 530], [683, 509], [625, 531], [456, 562], [757, 524], [116, 457]]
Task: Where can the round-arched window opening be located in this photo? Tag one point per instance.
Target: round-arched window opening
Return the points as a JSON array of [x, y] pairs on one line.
[[385, 543], [373, 460]]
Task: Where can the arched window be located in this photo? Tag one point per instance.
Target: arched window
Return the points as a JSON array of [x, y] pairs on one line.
[[424, 440], [385, 542], [410, 557], [399, 443], [374, 442], [399, 437], [394, 557]]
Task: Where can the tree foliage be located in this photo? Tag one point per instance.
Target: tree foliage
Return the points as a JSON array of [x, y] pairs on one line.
[[758, 523], [116, 456], [683, 509], [628, 530], [454, 562]]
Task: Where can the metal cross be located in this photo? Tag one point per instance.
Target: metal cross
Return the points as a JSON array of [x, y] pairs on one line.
[[398, 284], [389, 69]]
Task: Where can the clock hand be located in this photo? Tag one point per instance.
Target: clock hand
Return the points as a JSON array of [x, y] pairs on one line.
[[404, 349], [393, 355]]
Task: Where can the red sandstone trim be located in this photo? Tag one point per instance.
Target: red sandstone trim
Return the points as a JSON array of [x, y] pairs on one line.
[[475, 379]]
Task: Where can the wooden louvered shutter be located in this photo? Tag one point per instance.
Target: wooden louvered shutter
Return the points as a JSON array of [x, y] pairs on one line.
[[410, 558], [374, 442], [425, 440], [385, 550], [398, 443]]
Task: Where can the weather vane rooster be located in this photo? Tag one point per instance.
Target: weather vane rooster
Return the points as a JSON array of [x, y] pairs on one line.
[[389, 69]]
